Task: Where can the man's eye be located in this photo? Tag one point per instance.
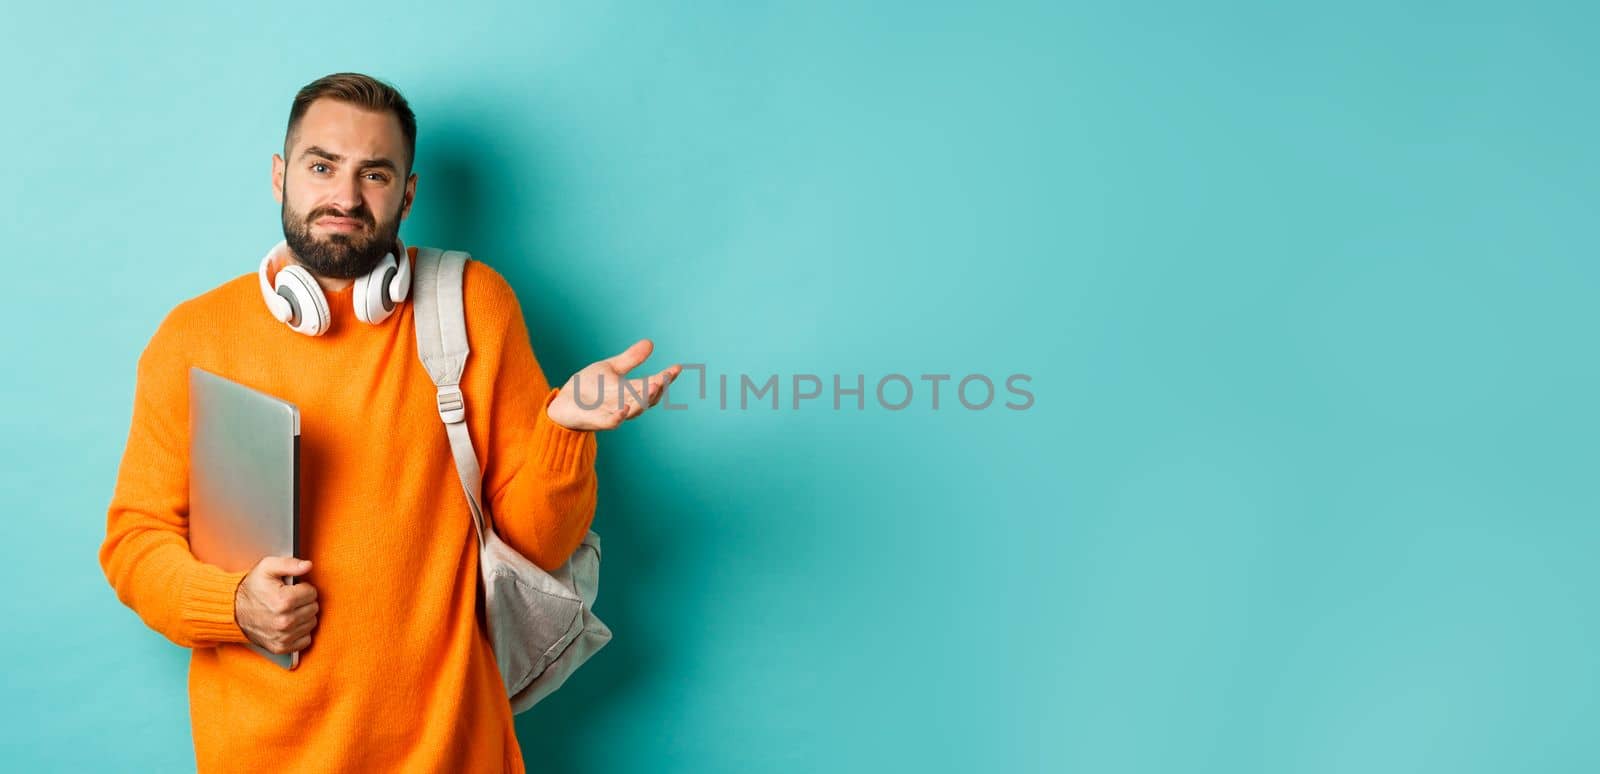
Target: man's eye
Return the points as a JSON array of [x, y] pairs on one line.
[[378, 176], [315, 167]]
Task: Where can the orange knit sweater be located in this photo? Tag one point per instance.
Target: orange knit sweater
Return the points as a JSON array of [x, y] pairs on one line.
[[399, 676]]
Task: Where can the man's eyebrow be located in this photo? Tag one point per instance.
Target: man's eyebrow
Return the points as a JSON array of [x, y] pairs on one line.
[[365, 163]]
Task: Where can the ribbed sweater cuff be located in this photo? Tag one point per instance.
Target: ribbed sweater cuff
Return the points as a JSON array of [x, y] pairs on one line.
[[557, 448], [206, 602]]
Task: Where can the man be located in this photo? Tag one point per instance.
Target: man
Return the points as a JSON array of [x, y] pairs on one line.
[[396, 672]]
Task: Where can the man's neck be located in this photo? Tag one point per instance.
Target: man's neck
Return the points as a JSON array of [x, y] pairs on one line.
[[329, 284]]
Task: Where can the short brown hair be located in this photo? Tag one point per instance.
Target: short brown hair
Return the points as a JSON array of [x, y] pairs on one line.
[[363, 91]]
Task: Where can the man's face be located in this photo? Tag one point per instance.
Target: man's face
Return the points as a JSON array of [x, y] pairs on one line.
[[341, 188]]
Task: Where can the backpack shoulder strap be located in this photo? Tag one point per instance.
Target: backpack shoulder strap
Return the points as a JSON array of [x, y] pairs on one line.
[[441, 324], [440, 318]]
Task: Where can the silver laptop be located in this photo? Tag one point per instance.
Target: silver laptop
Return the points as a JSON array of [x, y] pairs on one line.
[[244, 478]]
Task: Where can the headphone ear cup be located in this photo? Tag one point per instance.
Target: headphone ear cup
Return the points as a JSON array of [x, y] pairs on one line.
[[371, 296], [400, 286], [308, 306], [391, 295]]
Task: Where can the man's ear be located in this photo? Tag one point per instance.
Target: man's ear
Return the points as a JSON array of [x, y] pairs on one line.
[[411, 195], [277, 177]]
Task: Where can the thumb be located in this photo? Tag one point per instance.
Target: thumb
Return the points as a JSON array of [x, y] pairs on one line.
[[284, 567], [632, 356]]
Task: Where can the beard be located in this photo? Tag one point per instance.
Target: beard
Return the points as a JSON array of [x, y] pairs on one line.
[[340, 255]]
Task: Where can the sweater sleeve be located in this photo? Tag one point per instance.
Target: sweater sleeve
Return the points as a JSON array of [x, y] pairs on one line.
[[146, 554], [539, 479]]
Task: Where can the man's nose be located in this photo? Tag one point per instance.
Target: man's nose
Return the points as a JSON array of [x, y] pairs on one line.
[[347, 194]]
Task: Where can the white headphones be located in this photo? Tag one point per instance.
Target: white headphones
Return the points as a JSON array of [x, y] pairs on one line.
[[295, 298]]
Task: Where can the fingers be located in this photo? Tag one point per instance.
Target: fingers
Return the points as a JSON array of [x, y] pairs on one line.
[[292, 620], [290, 632], [646, 393], [283, 567], [637, 397], [631, 357], [301, 629], [657, 385], [667, 376], [309, 609], [291, 597], [287, 646], [289, 605], [289, 643], [289, 627]]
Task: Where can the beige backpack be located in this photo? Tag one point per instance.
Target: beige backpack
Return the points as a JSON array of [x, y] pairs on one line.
[[541, 625]]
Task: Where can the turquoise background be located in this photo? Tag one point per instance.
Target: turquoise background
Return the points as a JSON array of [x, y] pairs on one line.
[[1306, 292]]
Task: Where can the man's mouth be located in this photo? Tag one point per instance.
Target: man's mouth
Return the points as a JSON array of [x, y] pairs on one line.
[[341, 224]]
